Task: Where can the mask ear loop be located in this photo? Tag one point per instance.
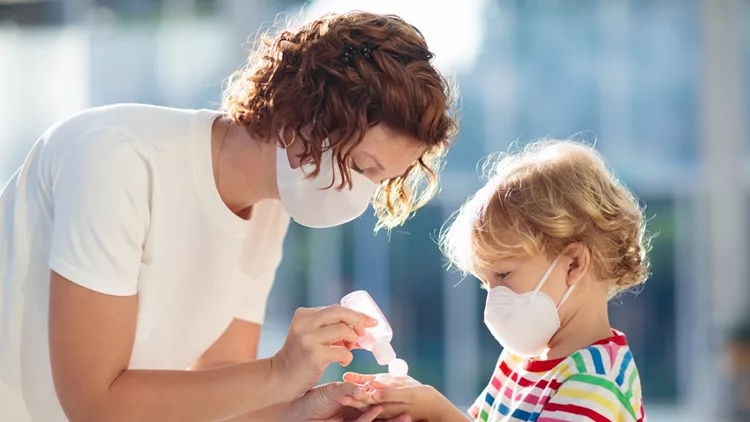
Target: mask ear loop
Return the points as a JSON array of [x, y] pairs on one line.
[[566, 296], [545, 276]]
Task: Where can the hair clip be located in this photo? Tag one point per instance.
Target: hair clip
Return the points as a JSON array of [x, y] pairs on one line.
[[347, 55], [367, 49]]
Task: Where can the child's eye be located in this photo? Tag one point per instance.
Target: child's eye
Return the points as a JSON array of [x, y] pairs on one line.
[[502, 276]]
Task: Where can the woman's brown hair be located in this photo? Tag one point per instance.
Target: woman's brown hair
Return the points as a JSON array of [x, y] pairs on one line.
[[340, 75]]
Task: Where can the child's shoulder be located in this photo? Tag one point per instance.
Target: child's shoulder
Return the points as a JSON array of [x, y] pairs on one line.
[[602, 374], [609, 357], [606, 369]]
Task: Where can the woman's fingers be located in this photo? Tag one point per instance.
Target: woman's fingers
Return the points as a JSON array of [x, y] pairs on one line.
[[370, 415], [336, 333], [400, 418], [340, 355], [357, 404], [357, 398], [364, 397], [337, 313], [392, 411], [347, 344]]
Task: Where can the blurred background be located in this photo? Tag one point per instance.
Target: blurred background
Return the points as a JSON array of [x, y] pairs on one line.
[[661, 86]]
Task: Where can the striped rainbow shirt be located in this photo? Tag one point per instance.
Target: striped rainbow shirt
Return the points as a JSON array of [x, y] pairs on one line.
[[599, 383]]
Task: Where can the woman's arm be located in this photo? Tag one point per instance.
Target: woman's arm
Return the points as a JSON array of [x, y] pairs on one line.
[[238, 344], [269, 414], [91, 338]]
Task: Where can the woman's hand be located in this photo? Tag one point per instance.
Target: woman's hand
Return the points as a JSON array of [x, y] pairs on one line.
[[405, 395], [316, 338], [335, 402]]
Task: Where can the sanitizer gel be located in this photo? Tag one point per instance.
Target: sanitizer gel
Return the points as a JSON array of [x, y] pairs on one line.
[[378, 338]]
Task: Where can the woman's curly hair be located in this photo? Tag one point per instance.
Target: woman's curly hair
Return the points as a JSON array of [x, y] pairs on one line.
[[297, 79]]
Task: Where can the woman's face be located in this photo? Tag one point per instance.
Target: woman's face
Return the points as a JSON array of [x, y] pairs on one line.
[[380, 156], [384, 154]]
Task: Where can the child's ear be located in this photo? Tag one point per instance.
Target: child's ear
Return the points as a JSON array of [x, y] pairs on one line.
[[579, 264]]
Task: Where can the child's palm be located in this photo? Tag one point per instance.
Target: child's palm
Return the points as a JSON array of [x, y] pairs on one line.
[[398, 395]]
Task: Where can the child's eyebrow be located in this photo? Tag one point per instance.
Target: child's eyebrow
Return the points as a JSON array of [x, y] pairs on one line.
[[501, 267]]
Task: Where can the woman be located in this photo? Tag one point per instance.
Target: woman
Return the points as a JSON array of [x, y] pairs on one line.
[[139, 241]]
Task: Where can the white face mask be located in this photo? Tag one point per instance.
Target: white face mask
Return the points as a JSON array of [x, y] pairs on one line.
[[523, 323], [310, 202]]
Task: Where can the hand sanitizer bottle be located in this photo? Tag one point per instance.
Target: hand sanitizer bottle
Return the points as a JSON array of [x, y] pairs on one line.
[[378, 338]]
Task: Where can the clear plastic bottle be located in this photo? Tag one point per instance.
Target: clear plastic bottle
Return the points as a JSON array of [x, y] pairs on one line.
[[378, 338]]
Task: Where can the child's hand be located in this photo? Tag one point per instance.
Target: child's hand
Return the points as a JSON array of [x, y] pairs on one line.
[[368, 384], [401, 395], [335, 402], [362, 398], [380, 380]]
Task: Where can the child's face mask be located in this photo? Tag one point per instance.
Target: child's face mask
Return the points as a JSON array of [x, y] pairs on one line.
[[523, 323]]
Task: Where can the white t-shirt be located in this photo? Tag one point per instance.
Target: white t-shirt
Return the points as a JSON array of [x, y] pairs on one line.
[[122, 200]]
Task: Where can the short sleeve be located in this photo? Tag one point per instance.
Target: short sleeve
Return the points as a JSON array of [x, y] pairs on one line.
[[253, 308], [588, 397], [101, 201]]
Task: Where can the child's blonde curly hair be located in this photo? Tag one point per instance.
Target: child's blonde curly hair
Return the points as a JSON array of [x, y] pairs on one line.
[[541, 200]]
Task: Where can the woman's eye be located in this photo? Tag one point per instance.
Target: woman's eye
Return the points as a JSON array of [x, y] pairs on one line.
[[356, 168]]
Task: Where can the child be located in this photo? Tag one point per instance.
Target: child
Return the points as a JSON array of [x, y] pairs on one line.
[[552, 237]]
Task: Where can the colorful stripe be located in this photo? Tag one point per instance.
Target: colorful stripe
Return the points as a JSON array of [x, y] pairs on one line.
[[580, 364], [572, 409], [596, 356], [623, 368], [509, 373], [598, 383]]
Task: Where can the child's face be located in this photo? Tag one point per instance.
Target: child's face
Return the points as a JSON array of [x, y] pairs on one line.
[[523, 274]]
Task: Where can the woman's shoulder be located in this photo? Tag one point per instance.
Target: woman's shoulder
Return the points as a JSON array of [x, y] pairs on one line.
[[146, 124]]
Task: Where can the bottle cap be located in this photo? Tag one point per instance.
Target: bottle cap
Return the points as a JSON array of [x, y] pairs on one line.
[[383, 351], [398, 368]]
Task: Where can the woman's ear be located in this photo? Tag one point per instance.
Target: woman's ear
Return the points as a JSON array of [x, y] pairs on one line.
[[580, 257]]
